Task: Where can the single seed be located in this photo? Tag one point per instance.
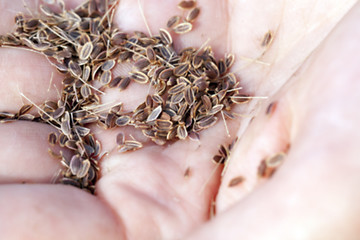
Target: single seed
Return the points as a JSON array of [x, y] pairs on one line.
[[236, 181], [173, 21], [187, 4], [86, 50], [105, 77], [122, 120], [139, 77], [193, 14], [165, 37], [183, 28]]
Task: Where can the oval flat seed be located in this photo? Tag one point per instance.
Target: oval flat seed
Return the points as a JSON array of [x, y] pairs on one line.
[[85, 91], [177, 88], [82, 131], [173, 21], [25, 109], [75, 69], [120, 139], [150, 53], [182, 69], [154, 114], [187, 4], [140, 77], [193, 14], [84, 168], [75, 164], [105, 77], [124, 83], [181, 132], [86, 50], [189, 95], [115, 82], [108, 65], [183, 28], [165, 36], [141, 64], [122, 120]]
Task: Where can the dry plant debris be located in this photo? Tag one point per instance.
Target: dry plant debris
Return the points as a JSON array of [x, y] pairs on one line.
[[190, 88]]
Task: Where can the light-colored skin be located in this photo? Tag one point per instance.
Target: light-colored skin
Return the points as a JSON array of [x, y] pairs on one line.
[[311, 70]]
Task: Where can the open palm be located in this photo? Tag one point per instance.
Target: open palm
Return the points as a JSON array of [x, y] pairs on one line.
[[145, 194]]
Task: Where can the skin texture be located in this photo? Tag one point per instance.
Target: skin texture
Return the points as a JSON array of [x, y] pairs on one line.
[[309, 69]]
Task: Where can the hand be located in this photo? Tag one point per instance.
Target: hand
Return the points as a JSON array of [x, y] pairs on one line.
[[144, 194]]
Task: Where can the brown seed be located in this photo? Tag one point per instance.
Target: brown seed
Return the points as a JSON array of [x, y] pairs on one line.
[[229, 60], [25, 109], [207, 122], [130, 145], [124, 83], [122, 120], [108, 65], [219, 159], [182, 69], [181, 132], [141, 64], [26, 117], [150, 53], [173, 21], [267, 40], [166, 73], [183, 28], [193, 14], [139, 77], [215, 109], [75, 69], [115, 82], [189, 95], [236, 181], [177, 98], [163, 124], [120, 139], [165, 37], [271, 108], [52, 139], [177, 88], [187, 4], [85, 50]]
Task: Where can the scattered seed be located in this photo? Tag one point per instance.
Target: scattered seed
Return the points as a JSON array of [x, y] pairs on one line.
[[187, 4], [183, 28], [193, 14], [236, 181]]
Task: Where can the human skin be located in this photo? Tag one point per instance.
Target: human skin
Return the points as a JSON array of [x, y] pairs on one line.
[[310, 70]]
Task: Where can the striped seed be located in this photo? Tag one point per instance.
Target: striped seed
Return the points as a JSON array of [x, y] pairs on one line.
[[193, 14], [139, 77], [183, 28], [173, 21], [86, 50]]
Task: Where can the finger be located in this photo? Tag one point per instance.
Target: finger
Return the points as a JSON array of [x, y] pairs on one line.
[[56, 212], [24, 156]]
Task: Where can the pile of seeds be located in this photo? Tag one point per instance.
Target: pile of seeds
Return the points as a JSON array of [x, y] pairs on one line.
[[189, 89]]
